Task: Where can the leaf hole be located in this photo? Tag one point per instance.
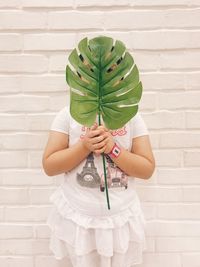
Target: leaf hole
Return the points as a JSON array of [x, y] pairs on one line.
[[81, 57], [85, 63], [79, 74]]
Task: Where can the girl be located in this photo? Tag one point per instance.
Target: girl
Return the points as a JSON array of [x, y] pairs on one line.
[[82, 227]]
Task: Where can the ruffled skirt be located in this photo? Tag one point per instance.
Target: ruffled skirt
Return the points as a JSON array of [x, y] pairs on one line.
[[116, 240]]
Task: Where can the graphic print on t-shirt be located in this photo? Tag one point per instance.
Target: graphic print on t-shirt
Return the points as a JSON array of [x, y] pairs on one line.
[[115, 176], [89, 176]]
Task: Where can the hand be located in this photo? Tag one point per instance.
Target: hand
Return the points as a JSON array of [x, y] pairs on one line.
[[94, 139], [107, 141]]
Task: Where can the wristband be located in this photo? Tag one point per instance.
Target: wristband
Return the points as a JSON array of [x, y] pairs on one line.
[[115, 151]]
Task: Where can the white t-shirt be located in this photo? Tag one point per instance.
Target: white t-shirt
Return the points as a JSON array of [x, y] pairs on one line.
[[83, 186]]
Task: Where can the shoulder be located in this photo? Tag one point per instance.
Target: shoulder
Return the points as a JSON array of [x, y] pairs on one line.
[[138, 126], [136, 119], [61, 120], [64, 112]]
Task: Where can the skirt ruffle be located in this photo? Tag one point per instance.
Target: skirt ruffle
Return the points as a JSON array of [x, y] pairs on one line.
[[116, 240]]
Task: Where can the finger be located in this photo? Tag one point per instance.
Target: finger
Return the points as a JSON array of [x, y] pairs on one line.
[[98, 139], [99, 151], [106, 140], [94, 133], [99, 145], [94, 126], [102, 127]]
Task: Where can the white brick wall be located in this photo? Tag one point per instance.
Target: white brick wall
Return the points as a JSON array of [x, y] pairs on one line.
[[36, 37]]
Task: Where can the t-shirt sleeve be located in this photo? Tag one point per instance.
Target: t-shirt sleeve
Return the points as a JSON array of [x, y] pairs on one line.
[[61, 121], [138, 126]]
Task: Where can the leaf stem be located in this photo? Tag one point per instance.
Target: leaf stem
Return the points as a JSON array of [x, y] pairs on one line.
[[104, 169]]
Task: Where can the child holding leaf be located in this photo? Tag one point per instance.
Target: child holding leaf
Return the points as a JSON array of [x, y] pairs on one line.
[[83, 227]]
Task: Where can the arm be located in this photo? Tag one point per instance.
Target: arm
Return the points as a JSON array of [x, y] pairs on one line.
[[59, 158], [139, 162]]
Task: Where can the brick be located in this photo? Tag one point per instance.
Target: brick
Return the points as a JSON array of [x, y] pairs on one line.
[[173, 229], [162, 39], [7, 261], [23, 63], [192, 119], [11, 84], [23, 103], [23, 141], [29, 213], [150, 244], [1, 214], [50, 261], [149, 210], [181, 18], [176, 244], [40, 121], [161, 259], [168, 3], [42, 231], [13, 159], [10, 3], [147, 60], [192, 158], [142, 19], [10, 231], [32, 83], [57, 63], [59, 101], [168, 158], [25, 177], [14, 196], [178, 176], [176, 60], [181, 211], [43, 83], [160, 194], [10, 42], [54, 42], [46, 3], [40, 195], [191, 193], [35, 159], [22, 20], [75, 20], [25, 247], [178, 100], [148, 101], [96, 3], [165, 120], [179, 140], [10, 122], [158, 81], [190, 259], [151, 19], [192, 80]]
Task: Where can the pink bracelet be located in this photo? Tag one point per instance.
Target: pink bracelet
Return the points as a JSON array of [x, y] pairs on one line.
[[115, 151]]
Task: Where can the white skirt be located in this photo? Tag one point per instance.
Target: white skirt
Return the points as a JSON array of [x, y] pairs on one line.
[[116, 240]]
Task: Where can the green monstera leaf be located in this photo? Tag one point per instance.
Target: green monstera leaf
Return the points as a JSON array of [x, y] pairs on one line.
[[103, 81]]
